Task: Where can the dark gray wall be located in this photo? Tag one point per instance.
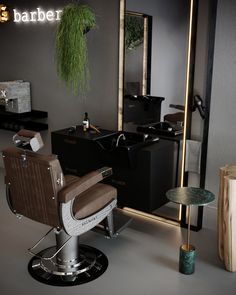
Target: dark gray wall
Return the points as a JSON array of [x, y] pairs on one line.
[[27, 52], [222, 139]]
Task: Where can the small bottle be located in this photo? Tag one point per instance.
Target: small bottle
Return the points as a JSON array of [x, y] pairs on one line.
[[86, 122]]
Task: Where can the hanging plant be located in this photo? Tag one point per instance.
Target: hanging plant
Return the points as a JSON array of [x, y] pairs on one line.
[[71, 46], [133, 31]]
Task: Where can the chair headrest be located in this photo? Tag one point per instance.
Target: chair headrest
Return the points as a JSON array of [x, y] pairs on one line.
[[28, 139]]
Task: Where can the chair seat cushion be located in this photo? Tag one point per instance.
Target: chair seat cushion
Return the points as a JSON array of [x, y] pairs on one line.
[[93, 200]]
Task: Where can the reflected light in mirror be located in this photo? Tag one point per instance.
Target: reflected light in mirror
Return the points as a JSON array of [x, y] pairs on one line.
[[186, 101], [150, 216], [186, 93], [121, 64]]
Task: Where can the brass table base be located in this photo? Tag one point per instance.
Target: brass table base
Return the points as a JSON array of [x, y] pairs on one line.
[[189, 196]]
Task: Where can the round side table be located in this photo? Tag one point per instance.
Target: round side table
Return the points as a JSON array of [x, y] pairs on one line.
[[189, 196]]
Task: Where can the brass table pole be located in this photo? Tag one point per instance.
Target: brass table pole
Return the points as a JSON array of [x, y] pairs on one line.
[[188, 231]]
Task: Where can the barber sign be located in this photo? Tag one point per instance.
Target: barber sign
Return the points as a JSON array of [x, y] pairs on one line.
[[3, 96], [3, 93], [37, 15], [16, 96], [4, 13]]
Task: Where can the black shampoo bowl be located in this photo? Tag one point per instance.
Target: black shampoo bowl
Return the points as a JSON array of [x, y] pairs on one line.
[[161, 128], [120, 148]]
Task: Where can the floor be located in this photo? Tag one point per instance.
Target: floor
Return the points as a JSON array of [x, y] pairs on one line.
[[143, 260]]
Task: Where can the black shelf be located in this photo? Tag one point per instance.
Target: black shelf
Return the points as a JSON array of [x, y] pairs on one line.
[[30, 120]]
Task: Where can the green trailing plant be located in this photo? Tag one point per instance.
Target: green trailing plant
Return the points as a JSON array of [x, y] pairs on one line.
[[71, 46], [133, 31]]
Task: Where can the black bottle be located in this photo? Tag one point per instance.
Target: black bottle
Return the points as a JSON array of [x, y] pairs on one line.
[[86, 122]]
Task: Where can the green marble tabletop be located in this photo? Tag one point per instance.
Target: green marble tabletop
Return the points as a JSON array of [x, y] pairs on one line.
[[190, 196]]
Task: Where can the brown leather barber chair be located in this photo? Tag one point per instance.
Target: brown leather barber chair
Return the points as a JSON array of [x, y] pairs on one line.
[[37, 189], [176, 118]]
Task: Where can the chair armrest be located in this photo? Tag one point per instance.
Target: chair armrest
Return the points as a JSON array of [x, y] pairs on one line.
[[69, 192]]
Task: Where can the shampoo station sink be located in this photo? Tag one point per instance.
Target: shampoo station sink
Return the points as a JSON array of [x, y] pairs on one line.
[[127, 140], [161, 128], [120, 148], [143, 166]]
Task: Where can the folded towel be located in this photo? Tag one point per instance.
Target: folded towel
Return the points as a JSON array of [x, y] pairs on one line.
[[193, 156]]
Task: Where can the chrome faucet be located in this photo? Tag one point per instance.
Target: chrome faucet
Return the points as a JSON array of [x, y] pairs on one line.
[[119, 137]]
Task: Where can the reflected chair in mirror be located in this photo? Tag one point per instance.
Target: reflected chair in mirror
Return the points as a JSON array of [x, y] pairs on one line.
[[71, 206], [175, 118]]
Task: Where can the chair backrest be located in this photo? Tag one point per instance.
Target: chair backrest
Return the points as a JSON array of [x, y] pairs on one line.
[[33, 182], [175, 117]]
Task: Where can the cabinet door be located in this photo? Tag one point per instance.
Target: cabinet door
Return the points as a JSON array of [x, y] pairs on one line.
[[77, 155]]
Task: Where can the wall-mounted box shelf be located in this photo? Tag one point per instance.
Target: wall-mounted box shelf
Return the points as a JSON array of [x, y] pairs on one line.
[[31, 120]]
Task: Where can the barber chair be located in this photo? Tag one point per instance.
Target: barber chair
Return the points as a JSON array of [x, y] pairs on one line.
[[38, 189], [175, 118]]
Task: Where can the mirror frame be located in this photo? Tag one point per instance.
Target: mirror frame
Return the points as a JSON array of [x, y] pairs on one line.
[[189, 84], [212, 15]]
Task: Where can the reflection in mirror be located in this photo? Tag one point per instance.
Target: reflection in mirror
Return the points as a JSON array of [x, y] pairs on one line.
[[165, 73], [137, 53], [155, 80]]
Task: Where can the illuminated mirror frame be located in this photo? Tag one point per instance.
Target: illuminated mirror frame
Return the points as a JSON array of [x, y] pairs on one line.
[[188, 93]]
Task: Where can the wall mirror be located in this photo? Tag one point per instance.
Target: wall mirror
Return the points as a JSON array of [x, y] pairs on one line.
[[137, 62], [155, 54]]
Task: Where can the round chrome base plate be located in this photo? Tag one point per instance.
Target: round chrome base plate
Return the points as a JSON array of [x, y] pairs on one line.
[[92, 264]]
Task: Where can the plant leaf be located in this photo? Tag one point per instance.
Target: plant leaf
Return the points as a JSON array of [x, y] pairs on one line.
[[71, 46]]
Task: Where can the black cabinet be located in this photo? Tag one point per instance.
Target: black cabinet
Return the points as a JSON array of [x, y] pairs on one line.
[[33, 120], [78, 151], [141, 183], [143, 187]]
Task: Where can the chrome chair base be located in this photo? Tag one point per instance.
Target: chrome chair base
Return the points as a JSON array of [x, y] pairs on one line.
[[91, 264]]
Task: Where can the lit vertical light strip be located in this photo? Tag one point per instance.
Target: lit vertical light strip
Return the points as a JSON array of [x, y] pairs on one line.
[[121, 64], [186, 99], [145, 56]]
